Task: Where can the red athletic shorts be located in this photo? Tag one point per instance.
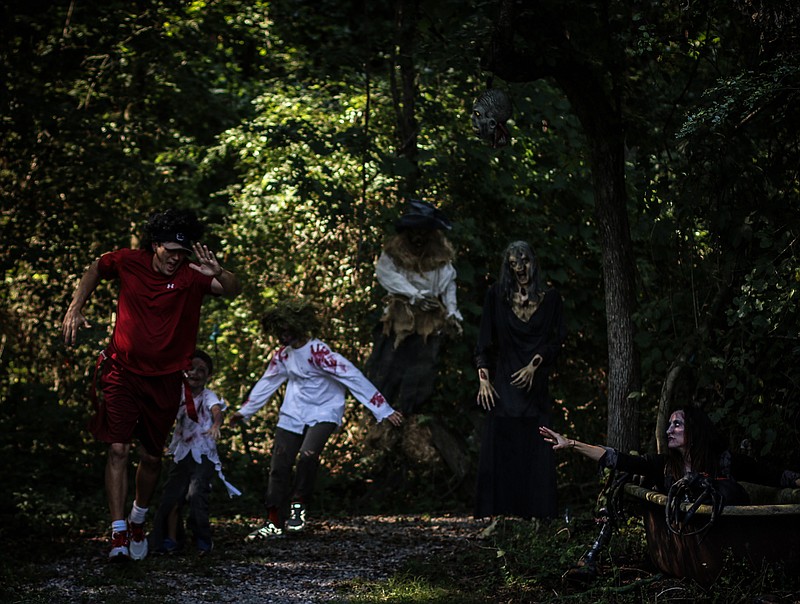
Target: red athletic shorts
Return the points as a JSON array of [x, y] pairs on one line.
[[136, 406]]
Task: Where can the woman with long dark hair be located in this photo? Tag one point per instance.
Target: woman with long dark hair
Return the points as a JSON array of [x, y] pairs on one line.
[[693, 446]]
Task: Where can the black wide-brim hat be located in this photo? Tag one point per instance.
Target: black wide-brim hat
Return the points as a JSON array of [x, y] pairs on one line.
[[422, 215]]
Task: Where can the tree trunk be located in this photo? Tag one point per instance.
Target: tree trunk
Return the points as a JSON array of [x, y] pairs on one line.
[[608, 178], [618, 276]]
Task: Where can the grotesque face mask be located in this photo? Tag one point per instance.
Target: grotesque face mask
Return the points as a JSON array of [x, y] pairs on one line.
[[521, 267], [490, 112]]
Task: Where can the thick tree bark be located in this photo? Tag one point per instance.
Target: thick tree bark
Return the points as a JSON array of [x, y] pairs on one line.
[[618, 276], [603, 127]]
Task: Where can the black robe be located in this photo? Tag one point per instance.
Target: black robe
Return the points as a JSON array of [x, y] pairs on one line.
[[516, 470]]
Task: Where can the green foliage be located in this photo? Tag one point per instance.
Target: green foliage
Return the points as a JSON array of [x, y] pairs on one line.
[[276, 121]]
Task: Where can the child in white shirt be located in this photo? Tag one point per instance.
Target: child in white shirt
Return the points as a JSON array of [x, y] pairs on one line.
[[317, 380], [195, 459]]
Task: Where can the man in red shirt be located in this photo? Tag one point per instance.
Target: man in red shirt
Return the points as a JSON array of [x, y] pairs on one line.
[[141, 370]]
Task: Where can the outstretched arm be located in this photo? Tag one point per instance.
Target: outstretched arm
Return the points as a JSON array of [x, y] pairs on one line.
[[593, 452], [216, 415], [273, 378], [396, 418], [74, 319], [225, 283]]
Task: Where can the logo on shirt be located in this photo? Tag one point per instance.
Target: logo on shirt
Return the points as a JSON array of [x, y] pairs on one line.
[[377, 399], [170, 286]]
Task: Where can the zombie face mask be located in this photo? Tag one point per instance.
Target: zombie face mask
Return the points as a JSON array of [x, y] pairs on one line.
[[490, 112], [521, 266]]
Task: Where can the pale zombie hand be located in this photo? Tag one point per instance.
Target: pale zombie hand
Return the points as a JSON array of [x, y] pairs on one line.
[[486, 392], [208, 264], [524, 377], [428, 303], [454, 326]]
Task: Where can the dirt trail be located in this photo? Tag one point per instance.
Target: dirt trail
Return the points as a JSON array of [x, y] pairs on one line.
[[306, 568]]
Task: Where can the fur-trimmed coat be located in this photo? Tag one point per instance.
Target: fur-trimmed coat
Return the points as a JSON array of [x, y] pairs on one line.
[[409, 276]]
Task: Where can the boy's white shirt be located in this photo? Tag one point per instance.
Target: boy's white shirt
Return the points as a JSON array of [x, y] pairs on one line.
[[317, 380], [190, 438]]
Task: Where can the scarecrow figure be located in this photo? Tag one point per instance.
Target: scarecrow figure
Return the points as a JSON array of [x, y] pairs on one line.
[[416, 270]]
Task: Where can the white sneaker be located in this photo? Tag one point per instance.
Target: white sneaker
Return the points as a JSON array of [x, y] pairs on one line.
[[119, 547], [138, 541], [265, 532]]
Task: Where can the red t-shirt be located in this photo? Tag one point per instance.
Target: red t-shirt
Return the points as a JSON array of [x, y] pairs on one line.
[[157, 315]]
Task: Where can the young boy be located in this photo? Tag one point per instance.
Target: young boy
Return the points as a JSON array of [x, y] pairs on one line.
[[313, 406], [195, 459]]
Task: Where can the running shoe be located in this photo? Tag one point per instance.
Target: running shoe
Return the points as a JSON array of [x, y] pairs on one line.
[[120, 547], [138, 540], [297, 517], [168, 546], [204, 547], [267, 531]]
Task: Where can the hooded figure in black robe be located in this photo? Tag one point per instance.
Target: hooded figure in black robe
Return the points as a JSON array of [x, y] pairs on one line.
[[521, 334]]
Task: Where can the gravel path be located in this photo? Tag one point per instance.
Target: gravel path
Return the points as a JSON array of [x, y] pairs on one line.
[[308, 568]]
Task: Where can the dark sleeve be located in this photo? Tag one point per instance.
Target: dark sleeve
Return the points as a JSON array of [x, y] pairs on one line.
[[558, 329], [650, 467], [747, 469], [486, 333]]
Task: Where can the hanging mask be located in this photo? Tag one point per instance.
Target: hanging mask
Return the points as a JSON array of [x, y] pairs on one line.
[[490, 112]]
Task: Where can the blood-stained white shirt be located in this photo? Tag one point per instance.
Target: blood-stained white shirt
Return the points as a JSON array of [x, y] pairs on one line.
[[190, 437], [317, 380], [438, 283]]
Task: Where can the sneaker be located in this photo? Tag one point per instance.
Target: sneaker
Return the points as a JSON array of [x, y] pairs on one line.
[[138, 541], [168, 546], [297, 517], [120, 544], [204, 547], [265, 532]]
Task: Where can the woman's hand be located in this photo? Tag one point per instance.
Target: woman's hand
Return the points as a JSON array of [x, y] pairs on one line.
[[593, 452], [524, 377], [556, 439], [486, 392]]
